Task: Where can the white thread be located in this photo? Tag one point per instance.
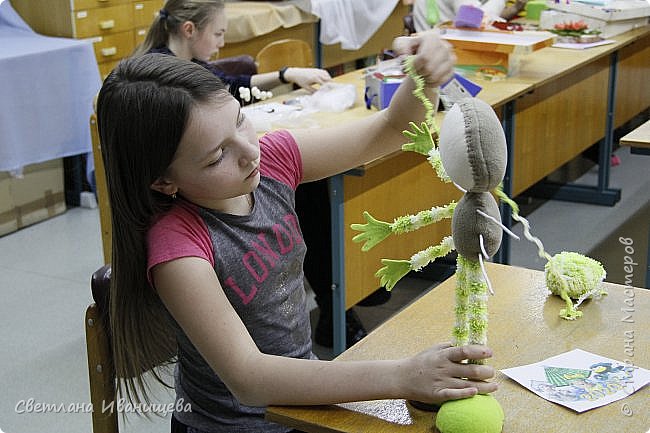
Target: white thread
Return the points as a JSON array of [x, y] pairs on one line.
[[540, 247], [487, 280], [496, 221], [480, 240]]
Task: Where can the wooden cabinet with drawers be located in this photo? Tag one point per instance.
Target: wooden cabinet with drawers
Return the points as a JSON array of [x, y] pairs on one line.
[[115, 26]]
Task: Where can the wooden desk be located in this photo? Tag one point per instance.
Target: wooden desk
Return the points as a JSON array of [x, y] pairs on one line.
[[575, 99], [552, 111], [580, 96], [524, 328], [561, 103]]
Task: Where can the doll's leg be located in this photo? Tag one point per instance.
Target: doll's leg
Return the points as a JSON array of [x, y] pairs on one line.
[[460, 332], [471, 307], [478, 297]]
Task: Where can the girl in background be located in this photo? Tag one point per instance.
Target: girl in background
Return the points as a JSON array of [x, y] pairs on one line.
[[208, 252], [195, 29]]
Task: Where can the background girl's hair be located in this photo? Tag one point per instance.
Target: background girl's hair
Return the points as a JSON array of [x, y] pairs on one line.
[[200, 12], [142, 110]]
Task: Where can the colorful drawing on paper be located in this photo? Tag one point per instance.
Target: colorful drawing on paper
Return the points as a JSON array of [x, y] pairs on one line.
[[580, 380]]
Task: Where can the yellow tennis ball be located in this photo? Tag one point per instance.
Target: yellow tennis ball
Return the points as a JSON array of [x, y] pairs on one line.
[[478, 414]]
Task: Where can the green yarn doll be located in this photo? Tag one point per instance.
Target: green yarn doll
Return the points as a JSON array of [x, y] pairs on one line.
[[470, 151]]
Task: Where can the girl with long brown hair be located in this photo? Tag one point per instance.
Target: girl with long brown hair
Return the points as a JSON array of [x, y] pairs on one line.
[[208, 252]]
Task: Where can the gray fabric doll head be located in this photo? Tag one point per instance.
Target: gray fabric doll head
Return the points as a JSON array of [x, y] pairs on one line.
[[473, 152]]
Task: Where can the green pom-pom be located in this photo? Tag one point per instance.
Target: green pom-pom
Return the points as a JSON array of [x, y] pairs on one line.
[[478, 414], [574, 276], [574, 273]]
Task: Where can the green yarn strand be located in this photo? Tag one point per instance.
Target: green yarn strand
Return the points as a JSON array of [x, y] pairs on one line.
[[418, 92]]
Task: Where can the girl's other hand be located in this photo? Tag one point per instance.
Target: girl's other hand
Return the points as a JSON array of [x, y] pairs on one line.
[[434, 59], [307, 78], [437, 374]]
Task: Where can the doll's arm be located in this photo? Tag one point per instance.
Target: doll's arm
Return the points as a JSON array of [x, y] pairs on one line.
[[375, 231], [395, 270], [436, 162], [410, 223]]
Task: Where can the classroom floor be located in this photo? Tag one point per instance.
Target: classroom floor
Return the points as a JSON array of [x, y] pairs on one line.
[[44, 285]]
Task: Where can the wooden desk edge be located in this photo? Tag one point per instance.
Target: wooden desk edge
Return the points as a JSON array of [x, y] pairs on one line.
[[639, 137], [621, 41]]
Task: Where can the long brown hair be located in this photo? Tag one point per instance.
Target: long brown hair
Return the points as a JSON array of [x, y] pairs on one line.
[[142, 110], [172, 15]]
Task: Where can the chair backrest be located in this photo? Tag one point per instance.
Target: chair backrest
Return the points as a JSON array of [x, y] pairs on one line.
[[101, 372], [102, 190], [237, 65], [101, 368], [284, 52]]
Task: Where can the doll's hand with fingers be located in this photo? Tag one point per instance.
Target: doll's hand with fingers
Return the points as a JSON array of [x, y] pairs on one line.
[[372, 232], [392, 272], [438, 374], [307, 78], [421, 139]]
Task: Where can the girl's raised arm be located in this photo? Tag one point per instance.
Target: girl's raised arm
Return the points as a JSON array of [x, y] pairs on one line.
[[329, 151]]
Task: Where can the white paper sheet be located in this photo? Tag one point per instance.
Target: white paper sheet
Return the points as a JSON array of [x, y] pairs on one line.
[[580, 380], [577, 46]]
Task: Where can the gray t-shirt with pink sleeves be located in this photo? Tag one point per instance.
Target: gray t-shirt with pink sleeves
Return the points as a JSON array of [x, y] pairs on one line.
[[258, 259]]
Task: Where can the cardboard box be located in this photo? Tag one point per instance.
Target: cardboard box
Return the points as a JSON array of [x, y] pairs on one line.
[[34, 197], [380, 89], [383, 80], [494, 54]]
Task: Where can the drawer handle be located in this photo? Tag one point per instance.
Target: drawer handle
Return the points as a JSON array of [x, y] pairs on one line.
[[107, 24], [110, 51]]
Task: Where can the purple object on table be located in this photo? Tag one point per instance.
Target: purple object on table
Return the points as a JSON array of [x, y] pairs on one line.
[[469, 16]]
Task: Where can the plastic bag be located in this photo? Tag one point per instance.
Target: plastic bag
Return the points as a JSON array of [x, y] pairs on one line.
[[330, 97]]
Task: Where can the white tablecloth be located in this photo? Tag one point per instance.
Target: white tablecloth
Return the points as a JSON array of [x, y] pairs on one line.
[[46, 89]]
